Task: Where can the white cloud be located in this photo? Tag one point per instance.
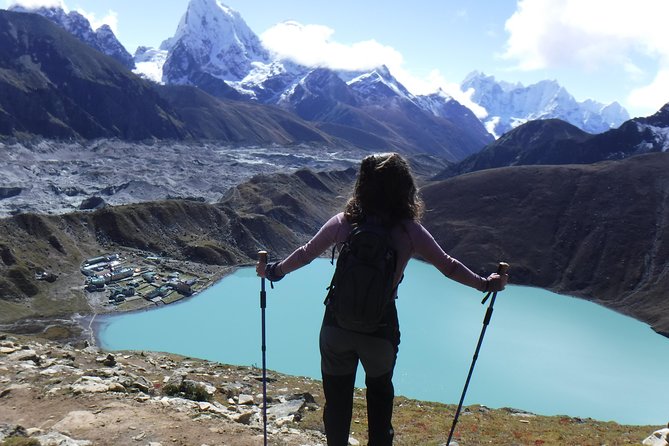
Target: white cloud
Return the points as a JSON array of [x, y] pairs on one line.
[[553, 33], [590, 35], [111, 19], [311, 45], [654, 95]]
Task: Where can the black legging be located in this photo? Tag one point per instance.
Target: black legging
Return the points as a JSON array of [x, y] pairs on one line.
[[339, 408], [341, 352]]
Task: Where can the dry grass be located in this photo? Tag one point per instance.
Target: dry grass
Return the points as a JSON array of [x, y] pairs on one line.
[[424, 423]]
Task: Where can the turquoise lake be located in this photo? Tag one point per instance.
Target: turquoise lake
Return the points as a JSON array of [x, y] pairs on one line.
[[542, 352]]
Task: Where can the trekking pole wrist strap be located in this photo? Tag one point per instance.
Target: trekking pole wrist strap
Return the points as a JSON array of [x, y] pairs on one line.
[[271, 272]]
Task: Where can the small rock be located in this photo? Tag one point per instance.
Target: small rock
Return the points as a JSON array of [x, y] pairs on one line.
[[8, 350], [204, 406], [244, 418], [116, 387], [245, 400], [142, 384], [109, 360]]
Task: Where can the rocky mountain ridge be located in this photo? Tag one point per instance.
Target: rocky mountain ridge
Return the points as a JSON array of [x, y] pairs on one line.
[[102, 39], [55, 86], [507, 105], [553, 141], [216, 51], [222, 56]]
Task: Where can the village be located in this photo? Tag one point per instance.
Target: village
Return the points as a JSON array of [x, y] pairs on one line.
[[133, 280]]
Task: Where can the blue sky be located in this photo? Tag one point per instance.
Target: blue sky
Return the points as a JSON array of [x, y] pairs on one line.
[[606, 50]]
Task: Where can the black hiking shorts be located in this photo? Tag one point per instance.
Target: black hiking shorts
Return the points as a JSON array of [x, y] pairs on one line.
[[341, 350]]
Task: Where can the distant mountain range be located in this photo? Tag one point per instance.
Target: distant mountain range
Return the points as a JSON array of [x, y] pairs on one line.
[[373, 111], [214, 50], [54, 86], [553, 141], [510, 105]]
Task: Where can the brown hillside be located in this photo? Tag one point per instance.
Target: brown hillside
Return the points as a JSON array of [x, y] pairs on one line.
[[274, 213], [596, 231]]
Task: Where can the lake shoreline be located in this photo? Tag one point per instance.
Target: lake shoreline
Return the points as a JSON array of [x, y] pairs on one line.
[[525, 336]]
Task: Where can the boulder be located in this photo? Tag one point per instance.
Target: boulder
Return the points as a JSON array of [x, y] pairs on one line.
[[91, 384], [58, 439], [286, 409], [109, 360], [658, 438], [11, 430]]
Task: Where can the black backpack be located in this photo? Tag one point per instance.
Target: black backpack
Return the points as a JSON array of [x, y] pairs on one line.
[[362, 285]]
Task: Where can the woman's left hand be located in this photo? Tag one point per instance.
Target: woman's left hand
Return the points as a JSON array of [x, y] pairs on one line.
[[260, 268], [497, 282]]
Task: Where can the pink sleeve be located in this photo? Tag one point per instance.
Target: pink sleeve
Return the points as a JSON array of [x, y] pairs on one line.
[[426, 247], [333, 231]]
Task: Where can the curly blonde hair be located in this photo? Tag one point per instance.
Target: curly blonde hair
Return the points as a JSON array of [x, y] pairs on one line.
[[385, 189]]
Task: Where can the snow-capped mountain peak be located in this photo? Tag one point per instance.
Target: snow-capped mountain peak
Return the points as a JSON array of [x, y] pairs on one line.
[[509, 105], [379, 85], [213, 38], [102, 39]]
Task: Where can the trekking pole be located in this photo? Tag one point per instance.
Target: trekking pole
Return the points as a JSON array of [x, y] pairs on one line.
[[501, 269], [262, 258]]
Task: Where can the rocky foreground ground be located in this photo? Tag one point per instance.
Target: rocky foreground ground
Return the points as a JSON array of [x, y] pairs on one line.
[[60, 394]]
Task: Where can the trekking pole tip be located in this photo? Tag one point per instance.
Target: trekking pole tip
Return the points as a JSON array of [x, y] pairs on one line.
[[502, 268], [262, 256]]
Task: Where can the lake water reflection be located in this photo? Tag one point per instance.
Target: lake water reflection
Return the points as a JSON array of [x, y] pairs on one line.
[[544, 353]]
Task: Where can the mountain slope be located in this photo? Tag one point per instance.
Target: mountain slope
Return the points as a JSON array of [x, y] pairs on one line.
[[53, 85], [209, 117], [374, 109], [597, 231], [554, 141], [274, 212], [102, 39], [215, 50], [56, 86]]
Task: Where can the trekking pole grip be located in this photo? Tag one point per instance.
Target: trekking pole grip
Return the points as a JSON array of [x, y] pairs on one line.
[[502, 268], [262, 258]]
